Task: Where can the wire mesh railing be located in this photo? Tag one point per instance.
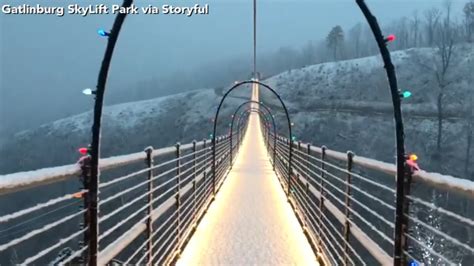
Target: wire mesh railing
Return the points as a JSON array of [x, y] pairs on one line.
[[346, 205], [150, 203]]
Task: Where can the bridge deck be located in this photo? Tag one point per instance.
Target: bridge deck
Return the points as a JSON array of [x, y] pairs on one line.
[[250, 222]]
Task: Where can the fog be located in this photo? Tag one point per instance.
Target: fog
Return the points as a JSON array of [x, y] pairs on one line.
[[46, 61]]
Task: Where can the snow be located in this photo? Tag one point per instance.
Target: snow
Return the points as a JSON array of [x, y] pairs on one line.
[[21, 180], [250, 222]]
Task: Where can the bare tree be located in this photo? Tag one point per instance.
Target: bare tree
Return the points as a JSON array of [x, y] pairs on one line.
[[355, 34], [470, 119], [432, 18], [415, 23], [469, 20], [445, 45]]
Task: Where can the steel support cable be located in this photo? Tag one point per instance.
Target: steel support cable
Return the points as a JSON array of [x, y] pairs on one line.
[[355, 213], [206, 194], [187, 221], [365, 207], [441, 233], [350, 185], [53, 247], [119, 179], [332, 227], [73, 255], [145, 170], [330, 233], [8, 217], [155, 232], [190, 175], [385, 237], [39, 231], [410, 256], [356, 201], [31, 220], [186, 216], [351, 173], [123, 221], [103, 218], [142, 195], [344, 183], [430, 250], [167, 230], [113, 228], [201, 201], [165, 251], [201, 188], [201, 192], [441, 210], [160, 247], [312, 224], [132, 215]]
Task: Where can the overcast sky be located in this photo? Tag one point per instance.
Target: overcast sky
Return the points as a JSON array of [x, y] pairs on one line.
[[46, 60]]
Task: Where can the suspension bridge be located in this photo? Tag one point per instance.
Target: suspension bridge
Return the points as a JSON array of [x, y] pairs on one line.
[[253, 196]]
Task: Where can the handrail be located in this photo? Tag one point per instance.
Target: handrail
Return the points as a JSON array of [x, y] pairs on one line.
[[179, 180], [322, 187], [15, 182], [444, 182]]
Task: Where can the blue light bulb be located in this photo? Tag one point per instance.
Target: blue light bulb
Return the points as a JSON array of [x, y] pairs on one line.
[[102, 33]]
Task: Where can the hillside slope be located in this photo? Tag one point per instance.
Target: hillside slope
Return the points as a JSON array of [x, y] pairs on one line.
[[128, 127], [347, 105]]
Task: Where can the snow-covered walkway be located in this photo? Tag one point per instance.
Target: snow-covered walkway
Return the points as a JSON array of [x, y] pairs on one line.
[[250, 222]]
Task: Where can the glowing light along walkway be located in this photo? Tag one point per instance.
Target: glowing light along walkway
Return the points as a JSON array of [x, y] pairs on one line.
[[250, 222]]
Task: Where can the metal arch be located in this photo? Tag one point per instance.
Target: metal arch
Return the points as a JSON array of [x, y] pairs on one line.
[[269, 113], [247, 112], [260, 104], [290, 155], [399, 131], [92, 195]]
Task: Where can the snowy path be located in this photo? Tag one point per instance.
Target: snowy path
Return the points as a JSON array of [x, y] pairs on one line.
[[250, 222]]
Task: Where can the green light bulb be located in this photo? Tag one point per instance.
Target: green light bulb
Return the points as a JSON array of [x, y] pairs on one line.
[[406, 94]]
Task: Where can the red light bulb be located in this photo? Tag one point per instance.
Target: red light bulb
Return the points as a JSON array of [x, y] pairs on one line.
[[390, 38], [83, 151]]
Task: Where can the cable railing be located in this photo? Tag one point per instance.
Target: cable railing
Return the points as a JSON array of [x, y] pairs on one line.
[[150, 203], [346, 205]]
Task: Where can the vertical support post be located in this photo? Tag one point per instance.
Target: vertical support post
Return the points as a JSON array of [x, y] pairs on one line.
[[406, 209], [321, 191], [231, 150], [399, 129], [194, 181], [274, 148], [149, 222], [347, 228], [178, 197], [205, 152], [306, 190], [214, 171], [85, 176], [289, 143], [308, 152], [238, 135]]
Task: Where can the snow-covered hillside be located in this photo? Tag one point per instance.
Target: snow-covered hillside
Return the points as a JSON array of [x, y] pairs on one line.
[[347, 106], [127, 127]]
